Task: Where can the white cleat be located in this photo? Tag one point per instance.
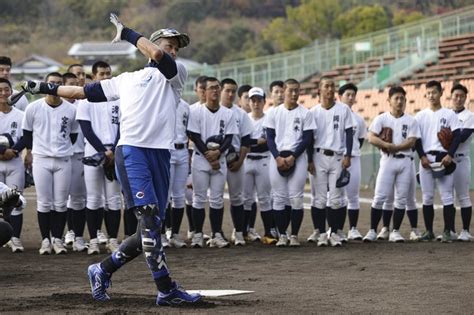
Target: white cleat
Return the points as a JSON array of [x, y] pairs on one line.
[[101, 237], [218, 241], [371, 236], [396, 237], [239, 239], [16, 245], [93, 248], [384, 234], [314, 237], [164, 241], [335, 240], [274, 233], [232, 236], [168, 233], [112, 245], [189, 235], [176, 241], [79, 245], [69, 238], [464, 236], [46, 247], [454, 236], [415, 235], [294, 241], [323, 240], [197, 240], [342, 236], [354, 234], [252, 235], [282, 241], [58, 246]]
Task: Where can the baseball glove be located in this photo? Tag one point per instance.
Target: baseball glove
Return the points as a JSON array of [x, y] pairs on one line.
[[386, 135], [94, 160], [109, 170], [9, 199], [445, 136], [231, 156]]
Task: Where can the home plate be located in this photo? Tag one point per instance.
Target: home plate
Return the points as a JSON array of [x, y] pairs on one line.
[[217, 293]]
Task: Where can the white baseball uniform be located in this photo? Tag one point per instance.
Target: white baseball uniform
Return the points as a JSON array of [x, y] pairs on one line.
[[257, 173], [396, 171], [289, 126], [329, 147], [52, 151], [12, 172], [77, 192], [104, 118], [430, 122], [235, 179], [179, 169], [22, 102], [207, 124], [462, 173]]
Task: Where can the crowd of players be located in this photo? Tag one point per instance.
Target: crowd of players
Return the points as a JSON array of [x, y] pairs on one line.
[[263, 149]]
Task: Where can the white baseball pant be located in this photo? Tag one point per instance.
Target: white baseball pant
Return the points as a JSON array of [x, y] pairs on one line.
[[77, 193], [179, 169], [462, 180], [204, 178], [257, 178], [328, 170], [445, 185]]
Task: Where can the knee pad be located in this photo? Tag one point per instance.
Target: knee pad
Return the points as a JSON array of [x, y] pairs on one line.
[[297, 203]]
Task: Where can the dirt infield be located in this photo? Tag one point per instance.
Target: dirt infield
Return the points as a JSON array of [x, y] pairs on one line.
[[357, 278]]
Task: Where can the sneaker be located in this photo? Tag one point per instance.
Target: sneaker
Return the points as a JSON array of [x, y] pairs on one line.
[[16, 245], [219, 241], [342, 236], [58, 246], [112, 245], [239, 239], [268, 240], [93, 247], [177, 296], [396, 237], [46, 247], [371, 236], [384, 234], [176, 241], [69, 238], [294, 241], [427, 236], [415, 235], [99, 281], [189, 235], [79, 245], [323, 240], [101, 237], [354, 234], [282, 241], [197, 240], [232, 236], [464, 236], [206, 237], [252, 235], [164, 241], [274, 233], [313, 238], [335, 240], [453, 235], [168, 233], [446, 237]]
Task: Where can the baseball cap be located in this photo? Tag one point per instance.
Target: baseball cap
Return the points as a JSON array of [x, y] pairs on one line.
[[437, 169], [343, 179], [256, 91], [183, 38]]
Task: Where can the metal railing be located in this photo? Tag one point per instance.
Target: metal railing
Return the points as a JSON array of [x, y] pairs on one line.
[[320, 57]]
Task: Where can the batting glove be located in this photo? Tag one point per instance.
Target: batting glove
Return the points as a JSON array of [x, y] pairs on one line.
[[118, 25], [38, 87]]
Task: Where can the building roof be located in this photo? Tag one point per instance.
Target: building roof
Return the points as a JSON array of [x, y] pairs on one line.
[[36, 64], [102, 49]]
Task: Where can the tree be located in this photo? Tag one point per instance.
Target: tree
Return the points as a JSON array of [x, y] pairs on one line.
[[402, 17], [362, 20]]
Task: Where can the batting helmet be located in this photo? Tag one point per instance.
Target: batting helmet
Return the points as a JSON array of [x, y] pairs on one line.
[[6, 140]]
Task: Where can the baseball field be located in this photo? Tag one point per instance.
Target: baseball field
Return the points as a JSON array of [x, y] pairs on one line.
[[358, 278]]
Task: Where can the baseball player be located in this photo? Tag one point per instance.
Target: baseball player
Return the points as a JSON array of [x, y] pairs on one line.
[[347, 94], [276, 94], [142, 154], [51, 123], [179, 173], [257, 162], [10, 199], [211, 128], [100, 124], [396, 171], [462, 178], [243, 97], [12, 171], [289, 129], [430, 150], [5, 68], [235, 171], [330, 154], [76, 204], [78, 70]]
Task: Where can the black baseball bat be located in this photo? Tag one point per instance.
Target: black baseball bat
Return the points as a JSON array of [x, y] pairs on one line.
[[14, 98]]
